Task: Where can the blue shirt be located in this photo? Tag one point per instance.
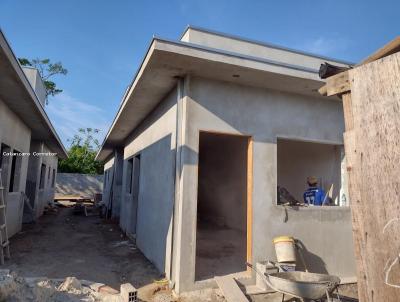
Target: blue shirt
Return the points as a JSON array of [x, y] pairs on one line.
[[314, 196]]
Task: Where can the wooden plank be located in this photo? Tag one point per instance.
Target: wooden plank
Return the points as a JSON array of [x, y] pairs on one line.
[[71, 197], [338, 84], [348, 113], [372, 146], [390, 48], [323, 90], [249, 202], [230, 289]]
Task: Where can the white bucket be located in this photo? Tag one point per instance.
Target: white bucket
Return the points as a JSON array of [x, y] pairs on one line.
[[285, 249]]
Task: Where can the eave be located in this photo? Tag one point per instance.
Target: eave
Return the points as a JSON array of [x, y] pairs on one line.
[[166, 61]]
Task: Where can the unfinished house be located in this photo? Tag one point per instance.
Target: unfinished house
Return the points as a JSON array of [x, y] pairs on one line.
[[30, 147], [208, 130]]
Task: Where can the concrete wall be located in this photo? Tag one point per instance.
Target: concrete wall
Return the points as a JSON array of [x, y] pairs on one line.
[[45, 195], [108, 179], [297, 160], [79, 184], [15, 134], [254, 49], [36, 82], [112, 186], [264, 115], [150, 212], [118, 182]]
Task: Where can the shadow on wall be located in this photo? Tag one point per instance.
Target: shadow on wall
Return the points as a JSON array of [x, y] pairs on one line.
[[312, 262], [78, 184]]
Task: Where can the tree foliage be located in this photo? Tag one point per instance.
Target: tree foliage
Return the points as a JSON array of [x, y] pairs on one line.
[[82, 153], [46, 70]]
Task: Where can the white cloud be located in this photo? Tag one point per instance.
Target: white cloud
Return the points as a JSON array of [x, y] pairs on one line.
[[325, 46], [68, 114]]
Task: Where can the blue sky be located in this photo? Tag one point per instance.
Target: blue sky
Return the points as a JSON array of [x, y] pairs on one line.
[[101, 43]]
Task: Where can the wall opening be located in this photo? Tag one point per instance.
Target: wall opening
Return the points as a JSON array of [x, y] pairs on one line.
[[298, 160], [42, 176], [129, 175], [53, 179], [4, 164], [15, 173], [135, 178], [221, 238]]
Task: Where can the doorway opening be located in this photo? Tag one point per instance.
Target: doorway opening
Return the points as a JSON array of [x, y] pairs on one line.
[[223, 202]]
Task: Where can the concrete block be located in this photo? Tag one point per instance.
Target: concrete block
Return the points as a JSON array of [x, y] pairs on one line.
[[128, 293]]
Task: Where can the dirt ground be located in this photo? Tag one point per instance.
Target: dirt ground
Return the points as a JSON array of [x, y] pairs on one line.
[[61, 244]]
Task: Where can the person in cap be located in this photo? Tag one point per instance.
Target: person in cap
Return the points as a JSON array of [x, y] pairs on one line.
[[313, 196]]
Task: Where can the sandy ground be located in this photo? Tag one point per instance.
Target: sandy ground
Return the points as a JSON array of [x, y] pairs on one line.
[[61, 244]]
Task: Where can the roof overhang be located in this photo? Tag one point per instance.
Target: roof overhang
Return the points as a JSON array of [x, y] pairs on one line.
[[17, 93], [166, 61]]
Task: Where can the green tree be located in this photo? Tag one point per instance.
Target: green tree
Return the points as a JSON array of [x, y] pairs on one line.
[[82, 153], [46, 70]]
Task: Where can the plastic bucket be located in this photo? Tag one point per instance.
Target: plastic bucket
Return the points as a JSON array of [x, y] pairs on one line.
[[285, 249]]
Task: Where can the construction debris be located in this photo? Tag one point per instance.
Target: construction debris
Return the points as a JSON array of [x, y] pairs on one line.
[[18, 289]]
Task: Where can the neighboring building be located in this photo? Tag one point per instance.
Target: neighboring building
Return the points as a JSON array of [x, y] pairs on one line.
[[209, 128], [25, 128]]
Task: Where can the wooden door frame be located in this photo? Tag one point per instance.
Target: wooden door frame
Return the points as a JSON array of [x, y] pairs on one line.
[[249, 228], [249, 189]]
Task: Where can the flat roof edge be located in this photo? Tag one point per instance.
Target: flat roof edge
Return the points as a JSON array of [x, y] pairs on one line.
[[261, 43], [156, 39], [237, 55]]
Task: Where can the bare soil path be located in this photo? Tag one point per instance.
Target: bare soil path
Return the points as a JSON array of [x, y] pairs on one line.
[[62, 244]]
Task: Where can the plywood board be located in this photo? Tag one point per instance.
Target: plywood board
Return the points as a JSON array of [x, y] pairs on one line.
[[372, 143]]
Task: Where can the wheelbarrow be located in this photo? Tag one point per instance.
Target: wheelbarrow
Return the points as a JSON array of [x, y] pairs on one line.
[[302, 285]]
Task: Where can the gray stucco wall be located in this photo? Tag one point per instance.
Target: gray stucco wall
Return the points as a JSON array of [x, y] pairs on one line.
[[265, 115], [112, 186], [79, 184], [45, 195], [40, 196], [108, 178], [15, 134], [154, 141], [36, 82]]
